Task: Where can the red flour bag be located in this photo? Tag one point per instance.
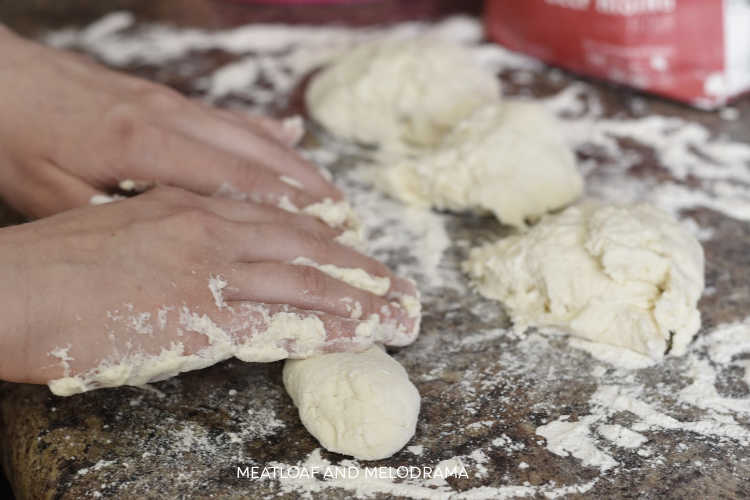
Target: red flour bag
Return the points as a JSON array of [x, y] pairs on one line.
[[697, 51]]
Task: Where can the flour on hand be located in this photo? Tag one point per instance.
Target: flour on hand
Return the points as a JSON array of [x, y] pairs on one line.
[[629, 276], [508, 158], [399, 94], [256, 334]]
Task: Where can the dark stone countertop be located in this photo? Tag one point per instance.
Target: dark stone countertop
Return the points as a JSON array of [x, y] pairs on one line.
[[485, 391]]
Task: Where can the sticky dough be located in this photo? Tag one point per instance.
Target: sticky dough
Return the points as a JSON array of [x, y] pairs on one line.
[[508, 158], [629, 276], [399, 94]]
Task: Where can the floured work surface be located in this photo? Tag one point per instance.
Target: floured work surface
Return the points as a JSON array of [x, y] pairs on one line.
[[523, 416]]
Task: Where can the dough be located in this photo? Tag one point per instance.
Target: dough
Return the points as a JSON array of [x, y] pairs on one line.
[[508, 158], [399, 94], [358, 404], [630, 276]]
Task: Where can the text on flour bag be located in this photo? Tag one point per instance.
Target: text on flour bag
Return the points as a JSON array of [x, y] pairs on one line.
[[697, 51]]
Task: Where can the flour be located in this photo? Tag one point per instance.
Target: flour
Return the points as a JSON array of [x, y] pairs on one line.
[[97, 466], [607, 400], [574, 438], [235, 78], [315, 475], [685, 149], [216, 284], [416, 449], [359, 278], [621, 436], [266, 335], [613, 355]]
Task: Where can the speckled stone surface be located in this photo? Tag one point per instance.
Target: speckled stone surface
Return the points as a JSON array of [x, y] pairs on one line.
[[482, 387]]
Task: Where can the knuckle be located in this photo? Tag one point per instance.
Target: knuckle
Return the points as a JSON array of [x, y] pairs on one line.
[[312, 280], [131, 133], [316, 244], [253, 177], [371, 305], [159, 98], [198, 224], [123, 120]]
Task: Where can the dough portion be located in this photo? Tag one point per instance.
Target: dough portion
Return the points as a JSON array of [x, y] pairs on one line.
[[630, 276], [508, 158], [358, 404], [399, 94]]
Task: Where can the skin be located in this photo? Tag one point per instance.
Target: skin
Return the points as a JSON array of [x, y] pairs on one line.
[[69, 130]]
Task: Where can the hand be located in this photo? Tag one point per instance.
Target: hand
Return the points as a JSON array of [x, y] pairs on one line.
[[126, 278], [70, 129]]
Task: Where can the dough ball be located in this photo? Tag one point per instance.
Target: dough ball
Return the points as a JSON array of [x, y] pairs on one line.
[[508, 158], [358, 404], [630, 276], [399, 93]]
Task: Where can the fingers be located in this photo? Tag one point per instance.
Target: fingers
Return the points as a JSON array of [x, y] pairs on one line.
[[244, 212], [287, 132], [240, 211], [303, 287], [252, 233], [179, 161], [256, 148], [286, 244], [52, 190]]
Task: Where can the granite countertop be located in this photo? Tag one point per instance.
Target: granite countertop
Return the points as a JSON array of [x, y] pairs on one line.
[[486, 391]]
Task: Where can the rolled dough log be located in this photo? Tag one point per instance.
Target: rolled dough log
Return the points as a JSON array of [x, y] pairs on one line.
[[358, 404]]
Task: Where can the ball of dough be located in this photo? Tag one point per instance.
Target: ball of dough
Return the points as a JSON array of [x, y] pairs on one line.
[[399, 93], [358, 404], [630, 276], [508, 158]]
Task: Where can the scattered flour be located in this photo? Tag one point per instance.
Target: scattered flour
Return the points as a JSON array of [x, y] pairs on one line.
[[574, 438]]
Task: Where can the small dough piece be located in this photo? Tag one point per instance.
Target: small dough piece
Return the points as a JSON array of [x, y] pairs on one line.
[[630, 276], [508, 158], [358, 404], [399, 94]]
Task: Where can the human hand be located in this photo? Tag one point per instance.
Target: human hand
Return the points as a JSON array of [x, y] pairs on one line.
[[71, 129], [171, 271]]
